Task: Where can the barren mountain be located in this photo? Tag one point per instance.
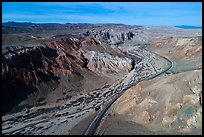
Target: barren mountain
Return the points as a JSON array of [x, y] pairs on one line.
[[164, 105], [186, 53], [29, 67], [58, 76], [169, 104], [119, 36]]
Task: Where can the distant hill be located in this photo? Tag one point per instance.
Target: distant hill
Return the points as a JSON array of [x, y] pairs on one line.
[[29, 27], [189, 27], [17, 24]]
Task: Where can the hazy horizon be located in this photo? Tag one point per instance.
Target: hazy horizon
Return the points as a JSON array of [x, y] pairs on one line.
[[102, 23], [128, 13]]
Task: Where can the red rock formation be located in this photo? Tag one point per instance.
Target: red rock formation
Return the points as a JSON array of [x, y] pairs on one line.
[[32, 64], [29, 66]]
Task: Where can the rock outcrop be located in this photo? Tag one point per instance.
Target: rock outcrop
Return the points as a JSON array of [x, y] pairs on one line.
[[172, 104], [114, 36], [27, 67], [185, 53], [103, 62]]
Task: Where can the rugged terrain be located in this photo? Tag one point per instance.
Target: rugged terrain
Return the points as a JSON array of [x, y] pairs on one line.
[[53, 64], [168, 104], [58, 77], [164, 105], [185, 53]]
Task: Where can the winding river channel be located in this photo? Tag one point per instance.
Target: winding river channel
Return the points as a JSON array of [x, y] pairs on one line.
[[124, 86]]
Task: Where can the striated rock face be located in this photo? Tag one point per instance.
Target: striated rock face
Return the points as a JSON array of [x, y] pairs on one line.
[[24, 68], [31, 65], [172, 104], [117, 37], [103, 62], [185, 53], [181, 47]]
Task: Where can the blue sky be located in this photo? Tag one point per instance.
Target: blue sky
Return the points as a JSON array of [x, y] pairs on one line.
[[131, 13]]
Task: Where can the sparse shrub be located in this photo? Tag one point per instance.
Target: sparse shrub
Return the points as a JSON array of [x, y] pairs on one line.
[[19, 108], [97, 108], [41, 99], [41, 103], [16, 109], [168, 72]]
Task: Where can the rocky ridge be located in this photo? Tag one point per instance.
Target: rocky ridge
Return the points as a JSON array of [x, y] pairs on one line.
[[32, 66]]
